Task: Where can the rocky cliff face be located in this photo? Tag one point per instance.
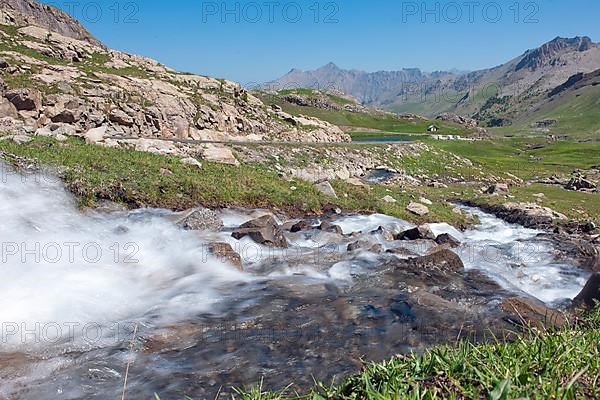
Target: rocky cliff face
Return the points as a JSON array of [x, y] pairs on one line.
[[534, 59], [30, 12], [56, 79]]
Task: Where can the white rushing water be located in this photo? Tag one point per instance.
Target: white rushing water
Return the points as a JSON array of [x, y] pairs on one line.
[[63, 270], [510, 254]]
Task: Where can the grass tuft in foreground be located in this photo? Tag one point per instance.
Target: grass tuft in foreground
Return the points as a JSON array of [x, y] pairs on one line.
[[554, 365]]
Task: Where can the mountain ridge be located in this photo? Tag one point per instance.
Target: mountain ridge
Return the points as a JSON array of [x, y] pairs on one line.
[[499, 92]]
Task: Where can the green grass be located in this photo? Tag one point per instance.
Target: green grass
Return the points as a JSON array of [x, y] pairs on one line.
[[96, 63], [386, 123], [576, 114], [561, 364], [521, 158], [133, 178]]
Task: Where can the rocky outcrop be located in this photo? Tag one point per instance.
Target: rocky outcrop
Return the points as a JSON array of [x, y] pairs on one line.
[[129, 97], [533, 59], [31, 12], [529, 215], [326, 102], [25, 99], [579, 183], [538, 71], [467, 122]]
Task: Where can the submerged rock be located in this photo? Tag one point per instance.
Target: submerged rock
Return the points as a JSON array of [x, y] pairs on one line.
[[327, 226], [301, 226], [225, 252], [263, 230], [420, 232], [444, 261], [385, 233], [532, 313], [447, 239], [365, 245]]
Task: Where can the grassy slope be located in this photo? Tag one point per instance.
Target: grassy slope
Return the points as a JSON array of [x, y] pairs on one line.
[[515, 157], [134, 178], [386, 123], [553, 365], [577, 113]]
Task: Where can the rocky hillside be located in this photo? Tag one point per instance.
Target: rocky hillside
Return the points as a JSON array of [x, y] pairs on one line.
[[498, 96], [30, 12], [57, 79]]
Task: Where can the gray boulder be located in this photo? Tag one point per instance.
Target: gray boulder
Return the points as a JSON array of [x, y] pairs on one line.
[[263, 230], [579, 183], [201, 219], [326, 189], [499, 188]]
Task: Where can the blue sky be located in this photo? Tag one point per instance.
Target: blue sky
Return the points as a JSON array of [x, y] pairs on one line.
[[256, 41]]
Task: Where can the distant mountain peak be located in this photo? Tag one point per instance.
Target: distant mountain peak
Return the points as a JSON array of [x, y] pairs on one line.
[[330, 66], [535, 58]]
